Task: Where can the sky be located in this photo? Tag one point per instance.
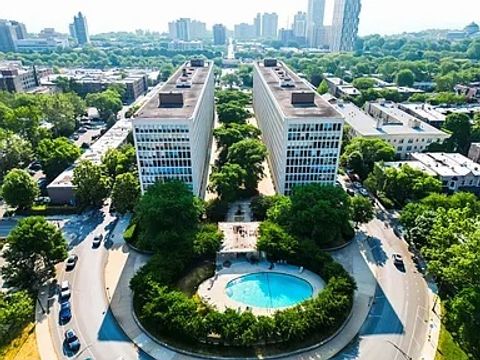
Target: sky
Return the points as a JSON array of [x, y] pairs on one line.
[[377, 16]]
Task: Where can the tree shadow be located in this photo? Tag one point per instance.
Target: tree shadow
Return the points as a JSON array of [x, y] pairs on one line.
[[376, 254], [78, 228], [351, 351]]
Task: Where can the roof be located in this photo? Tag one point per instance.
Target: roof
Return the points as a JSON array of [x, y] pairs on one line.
[[239, 237], [197, 76], [366, 125], [283, 95], [417, 165], [424, 112], [448, 164]]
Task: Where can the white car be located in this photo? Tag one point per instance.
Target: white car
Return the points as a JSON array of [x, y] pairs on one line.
[[65, 290]]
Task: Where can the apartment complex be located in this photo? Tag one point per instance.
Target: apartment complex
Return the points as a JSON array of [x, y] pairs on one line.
[[14, 77], [302, 131], [173, 130], [346, 17], [385, 121], [219, 34]]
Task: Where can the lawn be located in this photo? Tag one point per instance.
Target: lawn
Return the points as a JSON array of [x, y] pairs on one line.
[[448, 349], [24, 347]]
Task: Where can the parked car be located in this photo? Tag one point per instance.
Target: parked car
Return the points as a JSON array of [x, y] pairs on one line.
[[398, 261], [75, 136], [363, 192], [65, 292], [43, 200], [35, 166], [357, 185], [71, 262], [65, 312], [97, 240], [82, 130], [71, 339], [350, 192]]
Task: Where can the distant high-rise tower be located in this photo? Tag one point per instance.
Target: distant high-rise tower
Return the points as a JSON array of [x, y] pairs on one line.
[[300, 25], [79, 29], [20, 30], [172, 30], [219, 34], [10, 32], [270, 25], [183, 29], [315, 21], [257, 22], [346, 16]]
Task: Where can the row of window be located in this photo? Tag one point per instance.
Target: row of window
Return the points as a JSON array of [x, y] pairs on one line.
[[166, 171], [325, 179], [167, 138], [163, 163], [297, 170], [312, 136], [161, 129], [315, 127], [331, 152], [311, 161], [163, 146], [150, 180], [164, 155]]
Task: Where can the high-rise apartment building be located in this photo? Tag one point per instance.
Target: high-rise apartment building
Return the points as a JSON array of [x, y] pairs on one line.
[[10, 32], [172, 30], [346, 17], [173, 131], [183, 31], [270, 25], [244, 31], [300, 25], [79, 29], [198, 29], [315, 23], [257, 23], [302, 131], [219, 34]]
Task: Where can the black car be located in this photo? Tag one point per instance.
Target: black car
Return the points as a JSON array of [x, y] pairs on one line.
[[71, 339], [65, 312], [71, 262]]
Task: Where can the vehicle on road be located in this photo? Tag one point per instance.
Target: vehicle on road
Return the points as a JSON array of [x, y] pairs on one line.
[[363, 192], [82, 130], [71, 262], [43, 200], [97, 240], [398, 260], [350, 192], [65, 291], [75, 137], [357, 185], [72, 341], [35, 166], [65, 312], [398, 231]]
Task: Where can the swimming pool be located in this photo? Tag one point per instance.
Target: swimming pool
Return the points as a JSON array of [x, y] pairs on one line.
[[269, 290]]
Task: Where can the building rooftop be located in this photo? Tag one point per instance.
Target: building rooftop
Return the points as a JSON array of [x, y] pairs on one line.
[[239, 237], [185, 86], [417, 165], [284, 84], [445, 164], [366, 125], [423, 111]]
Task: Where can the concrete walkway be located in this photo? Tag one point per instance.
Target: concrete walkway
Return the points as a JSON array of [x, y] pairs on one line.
[[46, 349], [124, 262]]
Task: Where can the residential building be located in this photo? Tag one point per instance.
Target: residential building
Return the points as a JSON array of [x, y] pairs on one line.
[[455, 171], [257, 24], [315, 23], [173, 130], [181, 45], [405, 133], [269, 25], [470, 91], [41, 44], [244, 31], [79, 27], [300, 25], [172, 30], [20, 30], [302, 131], [183, 31], [286, 36], [219, 34], [14, 77], [474, 152], [424, 112], [61, 190], [198, 30], [10, 32], [340, 88], [346, 17]]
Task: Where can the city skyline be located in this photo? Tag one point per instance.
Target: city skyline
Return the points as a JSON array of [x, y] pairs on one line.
[[374, 17]]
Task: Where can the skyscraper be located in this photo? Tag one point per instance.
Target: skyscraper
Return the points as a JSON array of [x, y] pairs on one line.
[[269, 25], [198, 29], [219, 34], [10, 32], [346, 16], [79, 29], [315, 21], [183, 29], [257, 22], [300, 25]]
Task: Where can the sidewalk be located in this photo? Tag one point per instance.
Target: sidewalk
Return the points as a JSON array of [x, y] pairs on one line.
[[46, 349], [429, 350], [123, 263]]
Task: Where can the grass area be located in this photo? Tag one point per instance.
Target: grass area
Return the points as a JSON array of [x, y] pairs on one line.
[[190, 282], [23, 347], [448, 349]]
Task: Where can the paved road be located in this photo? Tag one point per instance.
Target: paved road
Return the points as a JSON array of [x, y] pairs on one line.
[[397, 325], [100, 335]]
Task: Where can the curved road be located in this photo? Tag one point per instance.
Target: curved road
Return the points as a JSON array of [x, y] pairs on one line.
[[396, 328]]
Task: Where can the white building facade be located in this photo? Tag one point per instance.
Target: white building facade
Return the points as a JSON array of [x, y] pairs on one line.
[[173, 131], [302, 132]]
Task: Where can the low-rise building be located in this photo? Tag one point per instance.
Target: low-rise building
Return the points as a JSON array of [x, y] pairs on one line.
[[470, 91], [474, 152], [183, 45], [41, 44], [14, 77], [404, 132], [456, 171], [424, 112], [340, 88]]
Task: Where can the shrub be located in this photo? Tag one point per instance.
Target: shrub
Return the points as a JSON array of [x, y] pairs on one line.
[[216, 210]]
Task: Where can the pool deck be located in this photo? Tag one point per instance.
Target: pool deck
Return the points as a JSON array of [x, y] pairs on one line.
[[213, 290]]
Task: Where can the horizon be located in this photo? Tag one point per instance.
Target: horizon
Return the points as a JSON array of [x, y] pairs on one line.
[[126, 18]]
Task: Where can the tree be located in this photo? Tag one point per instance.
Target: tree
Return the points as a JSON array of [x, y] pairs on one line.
[[234, 96], [167, 213], [232, 112], [363, 83], [405, 77], [231, 80], [362, 210], [119, 161], [165, 72], [19, 189], [207, 241], [276, 242], [228, 181], [56, 155], [461, 130], [16, 309], [15, 152], [261, 204], [361, 154], [125, 192], [473, 51], [92, 186], [60, 112], [245, 73], [249, 154], [323, 87], [34, 247], [227, 135], [108, 103]]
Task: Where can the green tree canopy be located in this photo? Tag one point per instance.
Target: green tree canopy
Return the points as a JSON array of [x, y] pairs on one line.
[[119, 161], [34, 247], [363, 83], [405, 77], [461, 130], [16, 309], [228, 181], [125, 192], [276, 242], [232, 112], [108, 103], [92, 185], [19, 189], [15, 152], [227, 135], [56, 155], [362, 210], [323, 87], [235, 96]]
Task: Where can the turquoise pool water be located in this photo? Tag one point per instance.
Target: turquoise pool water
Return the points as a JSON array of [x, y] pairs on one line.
[[269, 290]]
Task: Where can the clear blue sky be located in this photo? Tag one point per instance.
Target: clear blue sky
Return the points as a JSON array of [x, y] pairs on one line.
[[378, 16]]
